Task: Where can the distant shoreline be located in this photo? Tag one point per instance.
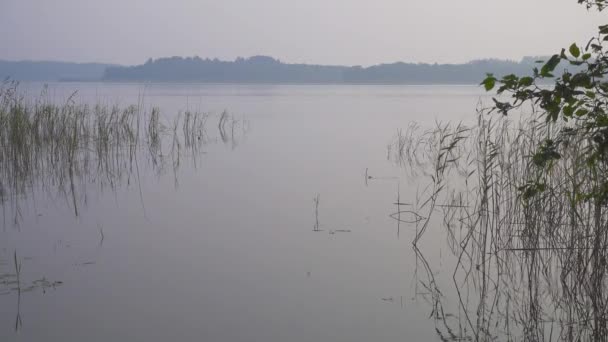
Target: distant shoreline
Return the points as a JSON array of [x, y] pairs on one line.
[[263, 70], [264, 83]]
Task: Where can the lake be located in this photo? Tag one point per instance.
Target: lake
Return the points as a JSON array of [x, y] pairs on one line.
[[280, 230]]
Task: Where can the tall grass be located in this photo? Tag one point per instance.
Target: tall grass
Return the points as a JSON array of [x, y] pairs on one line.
[[529, 268], [59, 147]]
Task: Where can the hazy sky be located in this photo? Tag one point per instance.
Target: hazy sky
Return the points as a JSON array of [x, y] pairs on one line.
[[352, 32]]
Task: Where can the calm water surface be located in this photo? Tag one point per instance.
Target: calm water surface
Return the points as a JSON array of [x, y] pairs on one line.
[[221, 247]]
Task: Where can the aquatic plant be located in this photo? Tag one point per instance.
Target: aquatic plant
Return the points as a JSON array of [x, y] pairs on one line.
[[59, 147], [536, 262]]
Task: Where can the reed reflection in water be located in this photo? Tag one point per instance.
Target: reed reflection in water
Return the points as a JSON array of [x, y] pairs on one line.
[[525, 268], [60, 149]]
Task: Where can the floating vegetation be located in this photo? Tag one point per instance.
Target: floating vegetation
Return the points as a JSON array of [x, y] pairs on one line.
[[59, 148], [12, 282], [343, 231], [530, 262], [44, 285]]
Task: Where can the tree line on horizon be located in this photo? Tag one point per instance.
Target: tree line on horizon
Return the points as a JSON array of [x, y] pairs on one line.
[[262, 69]]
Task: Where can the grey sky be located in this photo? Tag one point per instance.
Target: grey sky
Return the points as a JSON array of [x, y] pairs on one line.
[[312, 31]]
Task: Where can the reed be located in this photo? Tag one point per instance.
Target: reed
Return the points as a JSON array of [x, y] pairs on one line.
[[531, 262], [316, 202], [59, 147]]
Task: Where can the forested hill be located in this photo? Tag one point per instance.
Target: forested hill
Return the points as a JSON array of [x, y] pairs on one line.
[[259, 69], [262, 69]]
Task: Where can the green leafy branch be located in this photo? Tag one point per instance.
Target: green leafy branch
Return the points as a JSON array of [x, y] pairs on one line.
[[578, 96]]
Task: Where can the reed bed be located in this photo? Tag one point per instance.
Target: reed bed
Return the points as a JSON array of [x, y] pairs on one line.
[[58, 148], [531, 259]]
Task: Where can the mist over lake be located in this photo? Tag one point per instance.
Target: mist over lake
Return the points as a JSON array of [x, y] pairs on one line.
[[284, 170], [222, 245]]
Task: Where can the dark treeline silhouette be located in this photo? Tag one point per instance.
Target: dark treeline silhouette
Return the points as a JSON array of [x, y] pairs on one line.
[[258, 69], [262, 69], [422, 73], [51, 71]]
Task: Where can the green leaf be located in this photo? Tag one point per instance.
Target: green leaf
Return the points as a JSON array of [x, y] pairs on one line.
[[489, 82], [550, 66], [586, 56], [582, 112], [581, 80], [526, 81], [574, 50]]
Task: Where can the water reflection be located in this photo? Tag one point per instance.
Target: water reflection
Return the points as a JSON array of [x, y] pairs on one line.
[[529, 270], [12, 282], [64, 151], [59, 150], [236, 243]]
